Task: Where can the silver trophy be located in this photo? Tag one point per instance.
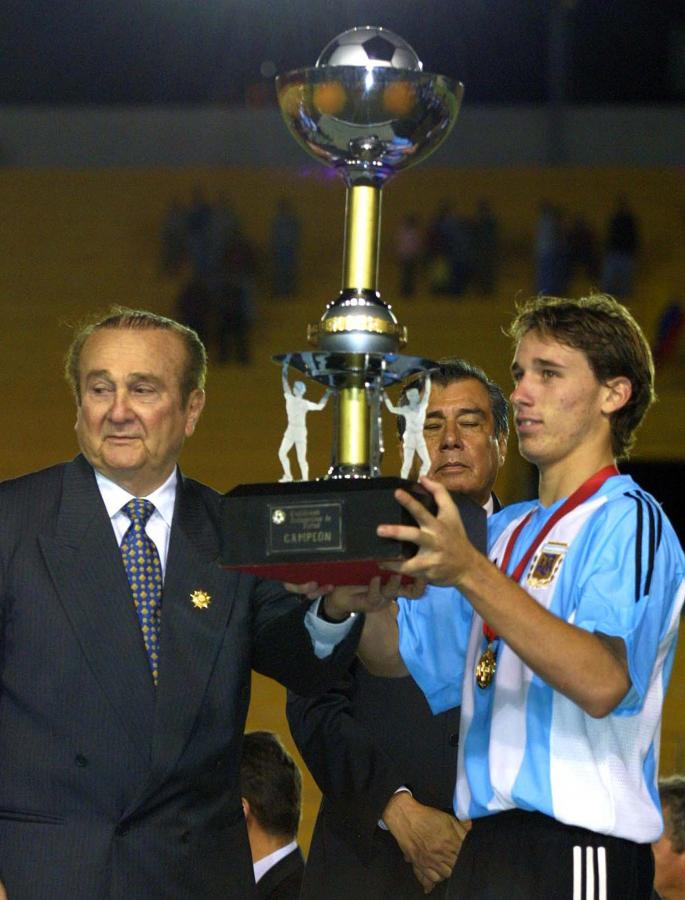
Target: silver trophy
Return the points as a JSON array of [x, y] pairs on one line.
[[369, 110]]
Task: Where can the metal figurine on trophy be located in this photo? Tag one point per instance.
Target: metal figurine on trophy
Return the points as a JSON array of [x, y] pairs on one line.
[[369, 110], [414, 415], [296, 408]]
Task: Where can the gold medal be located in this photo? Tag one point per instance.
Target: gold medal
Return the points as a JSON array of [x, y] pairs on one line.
[[485, 670]]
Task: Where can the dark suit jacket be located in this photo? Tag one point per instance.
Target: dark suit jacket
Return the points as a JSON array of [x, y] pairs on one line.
[[362, 740], [110, 788], [282, 881]]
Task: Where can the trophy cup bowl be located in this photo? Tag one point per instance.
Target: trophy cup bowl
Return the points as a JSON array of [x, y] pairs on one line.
[[368, 123], [368, 110]]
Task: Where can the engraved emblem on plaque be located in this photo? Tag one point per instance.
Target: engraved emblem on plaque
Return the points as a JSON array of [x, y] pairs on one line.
[[306, 527]]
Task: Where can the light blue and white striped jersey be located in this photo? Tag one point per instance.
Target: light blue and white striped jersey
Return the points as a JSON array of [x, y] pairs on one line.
[[612, 565]]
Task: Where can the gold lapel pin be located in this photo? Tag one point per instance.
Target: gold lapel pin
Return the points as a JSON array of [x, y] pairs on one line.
[[200, 599]]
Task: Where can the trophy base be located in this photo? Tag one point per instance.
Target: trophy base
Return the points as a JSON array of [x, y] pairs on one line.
[[324, 531]]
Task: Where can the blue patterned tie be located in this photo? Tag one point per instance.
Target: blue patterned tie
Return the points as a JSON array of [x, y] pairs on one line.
[[144, 571]]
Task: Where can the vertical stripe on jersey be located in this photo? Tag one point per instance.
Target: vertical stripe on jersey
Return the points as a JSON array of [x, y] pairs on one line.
[[654, 523], [652, 548], [638, 547], [658, 515]]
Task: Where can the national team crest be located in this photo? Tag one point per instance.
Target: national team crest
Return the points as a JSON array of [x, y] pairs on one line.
[[546, 564]]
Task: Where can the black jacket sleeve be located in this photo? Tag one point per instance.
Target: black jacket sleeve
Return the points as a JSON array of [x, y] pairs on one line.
[[350, 766]]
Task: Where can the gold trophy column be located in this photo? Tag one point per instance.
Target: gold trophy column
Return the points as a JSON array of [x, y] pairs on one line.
[[362, 237], [360, 271]]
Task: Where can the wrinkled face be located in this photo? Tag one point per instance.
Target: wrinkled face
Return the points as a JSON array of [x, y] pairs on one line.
[[131, 423], [561, 411], [459, 430]]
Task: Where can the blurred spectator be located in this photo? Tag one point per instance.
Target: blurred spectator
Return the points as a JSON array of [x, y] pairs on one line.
[[449, 252], [284, 247], [198, 236], [440, 240], [620, 255], [551, 252], [485, 244], [194, 308], [271, 788], [184, 239], [462, 255], [668, 331], [235, 301], [583, 254], [218, 297], [669, 850], [409, 252], [172, 239], [226, 222]]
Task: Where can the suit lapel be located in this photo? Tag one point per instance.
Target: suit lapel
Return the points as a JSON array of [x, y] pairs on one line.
[[191, 635], [87, 571]]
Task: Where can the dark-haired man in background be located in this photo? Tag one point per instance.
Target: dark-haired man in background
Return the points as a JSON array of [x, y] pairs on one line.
[[271, 790]]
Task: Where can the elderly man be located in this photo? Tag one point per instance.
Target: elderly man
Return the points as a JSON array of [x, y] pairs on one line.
[[126, 650], [370, 739]]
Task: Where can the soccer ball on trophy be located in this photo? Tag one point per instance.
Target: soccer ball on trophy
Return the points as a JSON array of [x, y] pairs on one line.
[[369, 47]]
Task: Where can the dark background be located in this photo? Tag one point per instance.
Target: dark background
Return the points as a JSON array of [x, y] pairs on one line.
[[211, 51]]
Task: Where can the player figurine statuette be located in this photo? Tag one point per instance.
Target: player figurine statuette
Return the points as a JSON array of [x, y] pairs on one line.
[[296, 431], [414, 413]]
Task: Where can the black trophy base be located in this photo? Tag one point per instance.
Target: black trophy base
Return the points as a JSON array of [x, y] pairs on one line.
[[324, 531]]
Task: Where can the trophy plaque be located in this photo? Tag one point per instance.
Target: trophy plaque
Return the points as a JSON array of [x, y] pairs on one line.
[[368, 110]]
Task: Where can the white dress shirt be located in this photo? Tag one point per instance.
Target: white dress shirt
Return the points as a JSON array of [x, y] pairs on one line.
[[158, 527], [262, 866]]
